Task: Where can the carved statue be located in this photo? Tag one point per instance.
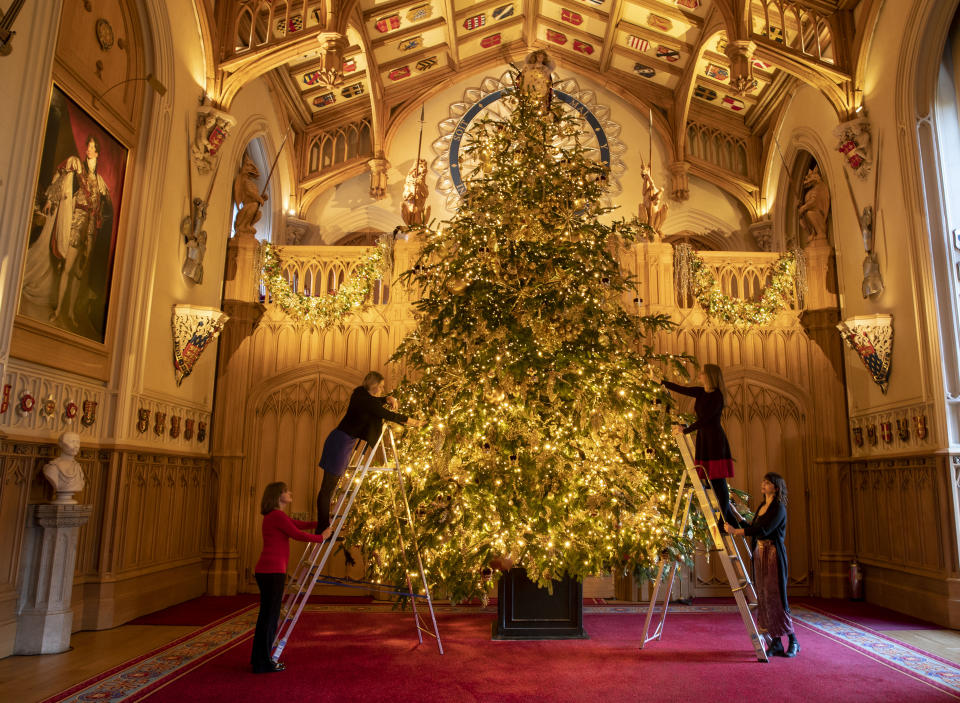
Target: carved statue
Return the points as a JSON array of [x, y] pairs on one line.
[[535, 76], [246, 194], [65, 473], [653, 211], [414, 210], [195, 238], [815, 207], [378, 177], [872, 280]]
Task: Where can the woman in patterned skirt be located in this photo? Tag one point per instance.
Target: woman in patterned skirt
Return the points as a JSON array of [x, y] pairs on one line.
[[769, 531]]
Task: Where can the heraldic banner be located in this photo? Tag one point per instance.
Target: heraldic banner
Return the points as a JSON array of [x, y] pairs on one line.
[[194, 327], [871, 337]]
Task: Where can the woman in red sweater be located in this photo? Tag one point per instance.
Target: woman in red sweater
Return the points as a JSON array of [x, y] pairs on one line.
[[271, 570]]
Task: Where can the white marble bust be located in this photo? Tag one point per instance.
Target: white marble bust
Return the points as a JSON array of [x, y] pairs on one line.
[[65, 473]]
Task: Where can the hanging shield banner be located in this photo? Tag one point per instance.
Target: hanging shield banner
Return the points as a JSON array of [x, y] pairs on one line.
[[194, 328]]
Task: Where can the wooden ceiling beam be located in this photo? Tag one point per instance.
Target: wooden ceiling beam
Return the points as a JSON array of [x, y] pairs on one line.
[[610, 38]]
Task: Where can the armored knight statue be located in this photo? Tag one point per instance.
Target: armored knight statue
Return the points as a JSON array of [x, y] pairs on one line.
[[414, 209], [195, 238], [247, 196], [815, 208], [653, 210], [65, 473], [872, 280]]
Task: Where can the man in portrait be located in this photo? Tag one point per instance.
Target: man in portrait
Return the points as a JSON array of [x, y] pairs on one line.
[[67, 270]]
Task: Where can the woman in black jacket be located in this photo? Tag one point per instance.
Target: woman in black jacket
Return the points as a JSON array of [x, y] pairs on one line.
[[712, 448], [363, 420], [769, 532]]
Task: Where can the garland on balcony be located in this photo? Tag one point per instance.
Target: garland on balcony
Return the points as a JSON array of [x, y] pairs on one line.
[[694, 277], [327, 309]]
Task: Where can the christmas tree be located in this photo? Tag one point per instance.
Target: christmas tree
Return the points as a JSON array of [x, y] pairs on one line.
[[546, 439]]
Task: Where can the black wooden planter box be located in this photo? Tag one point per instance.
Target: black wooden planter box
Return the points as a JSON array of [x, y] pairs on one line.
[[526, 612]]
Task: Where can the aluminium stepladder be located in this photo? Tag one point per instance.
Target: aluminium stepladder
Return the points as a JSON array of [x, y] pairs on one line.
[[309, 570], [738, 576]]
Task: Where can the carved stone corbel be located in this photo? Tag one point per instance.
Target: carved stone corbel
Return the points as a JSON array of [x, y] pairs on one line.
[[331, 66], [740, 53], [680, 180], [762, 232], [378, 177]]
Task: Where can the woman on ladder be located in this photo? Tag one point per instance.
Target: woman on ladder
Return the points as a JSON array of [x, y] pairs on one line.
[[364, 421], [769, 532], [712, 447]]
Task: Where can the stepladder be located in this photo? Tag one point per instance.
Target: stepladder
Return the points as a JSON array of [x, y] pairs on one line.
[[694, 490], [382, 457]]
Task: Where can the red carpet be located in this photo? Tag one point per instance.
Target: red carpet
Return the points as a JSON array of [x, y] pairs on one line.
[[359, 656]]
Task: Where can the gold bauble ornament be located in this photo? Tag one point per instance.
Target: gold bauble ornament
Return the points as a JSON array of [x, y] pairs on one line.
[[457, 285]]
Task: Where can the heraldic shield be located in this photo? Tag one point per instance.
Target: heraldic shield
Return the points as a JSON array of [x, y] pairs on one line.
[[194, 328]]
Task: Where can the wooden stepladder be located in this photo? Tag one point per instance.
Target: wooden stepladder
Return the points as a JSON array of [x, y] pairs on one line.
[[309, 570], [738, 576]]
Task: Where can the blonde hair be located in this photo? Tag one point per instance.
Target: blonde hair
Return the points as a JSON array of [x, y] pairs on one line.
[[372, 379], [715, 377]]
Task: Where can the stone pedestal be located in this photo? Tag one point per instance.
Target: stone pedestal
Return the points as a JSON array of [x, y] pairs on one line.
[[45, 619]]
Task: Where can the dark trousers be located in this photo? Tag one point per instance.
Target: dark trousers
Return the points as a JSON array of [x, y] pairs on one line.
[[722, 491], [271, 598], [327, 487]]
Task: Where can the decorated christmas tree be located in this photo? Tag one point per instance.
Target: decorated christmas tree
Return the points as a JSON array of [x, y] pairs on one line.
[[546, 440]]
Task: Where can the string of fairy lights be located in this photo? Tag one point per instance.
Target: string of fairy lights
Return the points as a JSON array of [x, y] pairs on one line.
[[547, 438], [547, 435], [785, 279], [325, 310]]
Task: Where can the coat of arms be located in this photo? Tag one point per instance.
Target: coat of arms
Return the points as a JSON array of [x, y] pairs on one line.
[[143, 420], [387, 24], [174, 426], [855, 144], [89, 413], [193, 329], [201, 431], [213, 127], [871, 337], [159, 423], [582, 47], [571, 17], [492, 40], [188, 429]]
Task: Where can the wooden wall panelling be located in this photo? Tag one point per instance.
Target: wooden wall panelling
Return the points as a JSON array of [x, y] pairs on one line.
[[17, 462], [905, 510]]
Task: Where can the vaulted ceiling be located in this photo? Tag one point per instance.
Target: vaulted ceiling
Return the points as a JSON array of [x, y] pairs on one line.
[[720, 65]]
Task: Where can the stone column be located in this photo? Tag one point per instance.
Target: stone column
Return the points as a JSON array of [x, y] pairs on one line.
[[227, 441], [45, 618], [829, 485]]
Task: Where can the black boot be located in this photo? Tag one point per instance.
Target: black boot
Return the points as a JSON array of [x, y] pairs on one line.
[[776, 648], [793, 648]]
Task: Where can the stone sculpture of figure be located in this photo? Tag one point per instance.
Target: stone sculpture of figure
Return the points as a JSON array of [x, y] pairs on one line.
[[195, 238], [65, 473], [246, 195], [535, 76], [653, 211], [872, 280], [815, 207], [414, 210]]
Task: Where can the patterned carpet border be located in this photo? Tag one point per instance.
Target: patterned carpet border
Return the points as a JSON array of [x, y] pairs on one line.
[[137, 678]]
